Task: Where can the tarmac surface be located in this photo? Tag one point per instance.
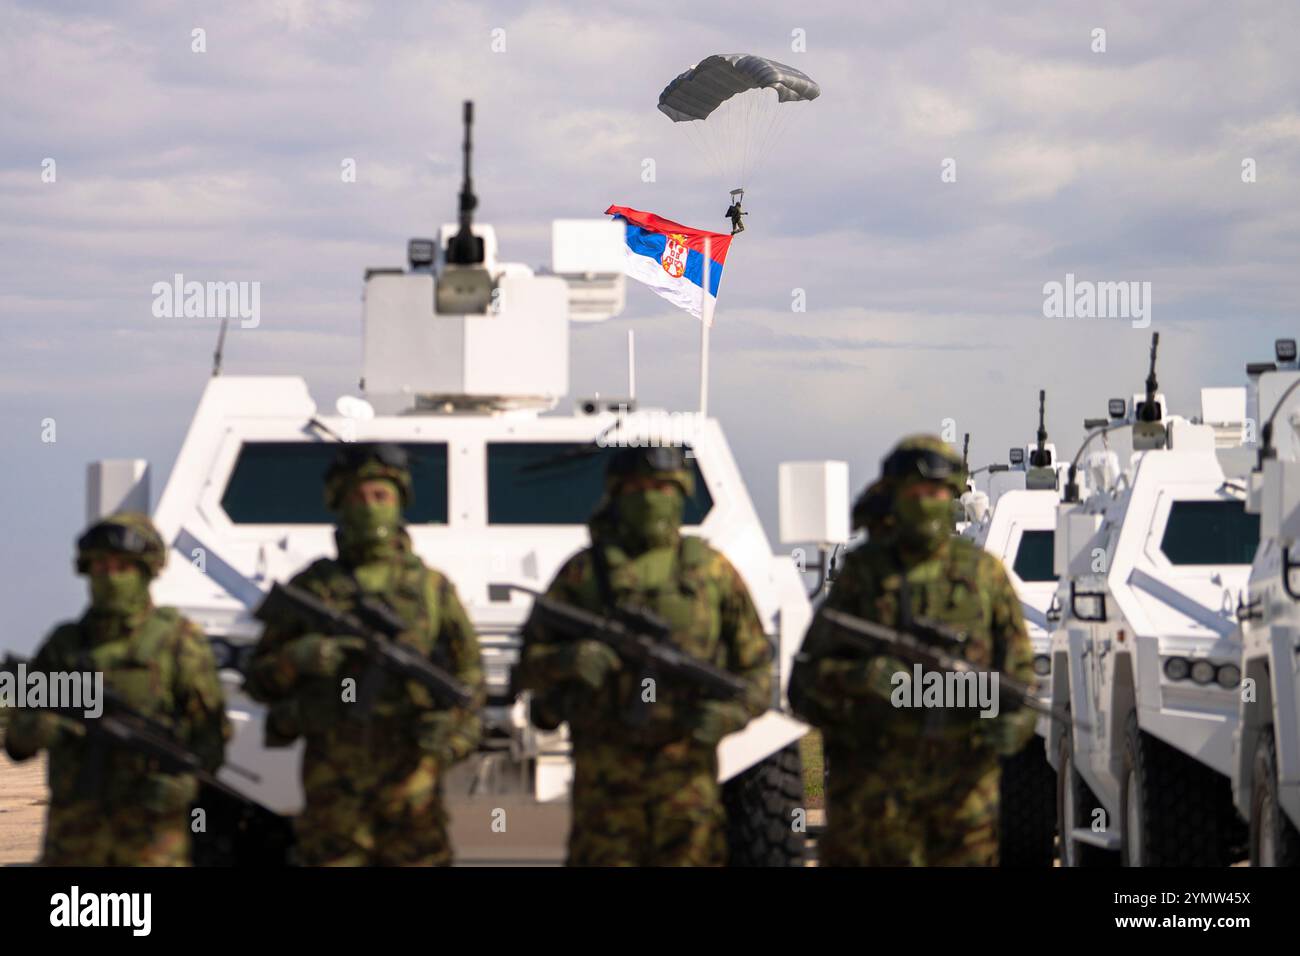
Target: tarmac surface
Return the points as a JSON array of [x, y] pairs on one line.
[[22, 810], [23, 798]]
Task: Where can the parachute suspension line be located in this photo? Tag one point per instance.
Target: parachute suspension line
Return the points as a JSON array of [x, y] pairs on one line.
[[773, 131], [775, 119], [697, 143], [757, 109], [713, 139], [742, 130], [706, 141], [746, 128], [736, 129], [728, 129]]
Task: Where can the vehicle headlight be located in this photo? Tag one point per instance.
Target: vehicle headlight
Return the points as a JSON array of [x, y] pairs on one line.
[[1177, 668], [1042, 665], [1203, 672], [1229, 676]]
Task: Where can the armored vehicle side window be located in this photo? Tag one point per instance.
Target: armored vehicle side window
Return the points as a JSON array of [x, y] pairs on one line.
[[284, 483], [559, 483], [1034, 556], [1210, 532]]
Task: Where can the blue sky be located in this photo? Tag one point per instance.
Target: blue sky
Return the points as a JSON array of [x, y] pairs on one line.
[[924, 298]]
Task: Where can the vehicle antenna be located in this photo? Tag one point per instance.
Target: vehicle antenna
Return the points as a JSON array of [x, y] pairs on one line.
[[221, 347]]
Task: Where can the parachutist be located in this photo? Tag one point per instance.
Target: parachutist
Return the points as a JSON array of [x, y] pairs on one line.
[[734, 212]]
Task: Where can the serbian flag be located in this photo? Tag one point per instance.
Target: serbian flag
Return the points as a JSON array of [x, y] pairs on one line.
[[669, 257]]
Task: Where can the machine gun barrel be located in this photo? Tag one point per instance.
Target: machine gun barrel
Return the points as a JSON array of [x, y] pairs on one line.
[[1042, 424], [1149, 411], [464, 248]]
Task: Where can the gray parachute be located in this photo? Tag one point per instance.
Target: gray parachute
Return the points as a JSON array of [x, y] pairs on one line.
[[734, 108], [695, 94]]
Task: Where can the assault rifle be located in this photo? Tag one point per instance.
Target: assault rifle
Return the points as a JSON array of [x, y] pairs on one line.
[[934, 645], [120, 727], [641, 639], [378, 625]]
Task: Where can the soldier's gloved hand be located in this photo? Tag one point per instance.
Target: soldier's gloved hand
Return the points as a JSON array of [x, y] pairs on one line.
[[715, 719], [861, 678], [1007, 733], [30, 732], [165, 793], [283, 723], [433, 734], [320, 655], [591, 662]]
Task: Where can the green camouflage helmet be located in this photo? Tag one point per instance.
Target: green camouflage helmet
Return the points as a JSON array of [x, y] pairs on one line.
[[126, 533], [663, 463], [356, 463], [924, 458]]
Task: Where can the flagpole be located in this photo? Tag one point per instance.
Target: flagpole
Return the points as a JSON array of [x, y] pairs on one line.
[[631, 365], [706, 320]]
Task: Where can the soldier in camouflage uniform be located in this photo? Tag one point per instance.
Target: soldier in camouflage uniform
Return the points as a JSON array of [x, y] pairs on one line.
[[645, 789], [373, 788], [161, 665], [914, 787], [873, 511]]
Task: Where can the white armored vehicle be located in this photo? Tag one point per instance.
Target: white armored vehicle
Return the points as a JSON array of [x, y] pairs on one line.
[[1153, 563], [464, 356], [1019, 530], [1266, 745]]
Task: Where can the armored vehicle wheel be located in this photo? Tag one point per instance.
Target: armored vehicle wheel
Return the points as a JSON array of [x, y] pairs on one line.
[[1274, 840], [761, 806], [236, 835], [1075, 803], [1027, 808], [1173, 806]]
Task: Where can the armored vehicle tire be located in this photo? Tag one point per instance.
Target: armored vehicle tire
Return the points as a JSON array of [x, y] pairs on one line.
[[761, 806], [236, 835], [1172, 806], [1074, 805], [1274, 840], [1027, 808]]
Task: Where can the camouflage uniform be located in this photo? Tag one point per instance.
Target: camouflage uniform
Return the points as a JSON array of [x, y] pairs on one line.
[[373, 789], [911, 786], [161, 665], [871, 511], [646, 789]]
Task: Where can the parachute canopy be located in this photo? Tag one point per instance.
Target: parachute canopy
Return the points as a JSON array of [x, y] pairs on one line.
[[734, 106], [705, 86]]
